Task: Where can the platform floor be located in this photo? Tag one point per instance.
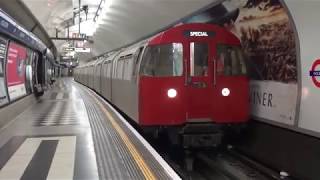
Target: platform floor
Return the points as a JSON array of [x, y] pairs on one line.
[[71, 133]]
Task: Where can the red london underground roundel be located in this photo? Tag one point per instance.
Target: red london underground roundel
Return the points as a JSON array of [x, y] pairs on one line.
[[314, 73]]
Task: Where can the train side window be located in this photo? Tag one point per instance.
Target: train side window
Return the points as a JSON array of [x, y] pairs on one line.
[[230, 60], [110, 65], [125, 67], [163, 60], [147, 66], [128, 66], [119, 72], [103, 69], [137, 56], [108, 69], [198, 59], [114, 69]]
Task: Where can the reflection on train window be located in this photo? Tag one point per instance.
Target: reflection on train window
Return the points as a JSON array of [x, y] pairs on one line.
[[230, 61], [198, 59], [137, 56], [163, 60]]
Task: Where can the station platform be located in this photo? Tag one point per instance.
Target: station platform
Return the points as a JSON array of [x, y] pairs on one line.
[[72, 133]]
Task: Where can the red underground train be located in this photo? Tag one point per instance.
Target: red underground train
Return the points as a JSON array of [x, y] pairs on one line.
[[188, 81]]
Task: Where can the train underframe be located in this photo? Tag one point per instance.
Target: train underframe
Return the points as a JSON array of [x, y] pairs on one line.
[[196, 135]]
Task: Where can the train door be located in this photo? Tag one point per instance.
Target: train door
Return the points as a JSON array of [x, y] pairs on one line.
[[29, 71], [39, 74], [231, 92], [216, 82], [35, 69], [199, 81]]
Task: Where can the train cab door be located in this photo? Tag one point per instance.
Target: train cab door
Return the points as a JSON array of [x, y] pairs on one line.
[[199, 80], [230, 102], [217, 85]]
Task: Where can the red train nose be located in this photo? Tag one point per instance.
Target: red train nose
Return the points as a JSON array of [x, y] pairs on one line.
[[172, 93]]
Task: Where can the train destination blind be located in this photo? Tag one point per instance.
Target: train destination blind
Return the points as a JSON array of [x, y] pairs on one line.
[[190, 33]]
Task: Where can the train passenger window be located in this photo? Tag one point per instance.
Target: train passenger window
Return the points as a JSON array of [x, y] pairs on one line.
[[137, 56], [128, 67], [163, 60], [198, 59], [119, 72], [108, 70], [230, 60], [103, 69], [124, 64]]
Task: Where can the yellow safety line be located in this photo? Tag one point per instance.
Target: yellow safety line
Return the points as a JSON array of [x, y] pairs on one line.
[[134, 152]]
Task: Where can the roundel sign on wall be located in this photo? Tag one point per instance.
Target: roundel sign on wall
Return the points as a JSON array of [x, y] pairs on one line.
[[315, 73]]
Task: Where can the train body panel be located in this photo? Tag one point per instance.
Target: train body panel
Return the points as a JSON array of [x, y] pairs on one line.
[[125, 97], [124, 80], [97, 76], [87, 72], [91, 76], [186, 76], [156, 108], [106, 79], [200, 92]]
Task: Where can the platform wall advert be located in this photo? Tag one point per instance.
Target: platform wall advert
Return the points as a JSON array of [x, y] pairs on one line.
[[269, 43], [16, 65]]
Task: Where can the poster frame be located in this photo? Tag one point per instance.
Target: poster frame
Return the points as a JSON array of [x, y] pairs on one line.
[[20, 97]]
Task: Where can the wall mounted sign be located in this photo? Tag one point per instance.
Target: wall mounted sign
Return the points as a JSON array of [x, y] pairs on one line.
[[314, 73]]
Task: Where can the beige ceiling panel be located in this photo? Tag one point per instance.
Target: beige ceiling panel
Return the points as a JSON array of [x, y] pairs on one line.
[[129, 20], [125, 21]]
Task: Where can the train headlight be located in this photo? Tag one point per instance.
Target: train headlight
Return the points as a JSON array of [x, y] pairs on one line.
[[172, 93], [225, 92]]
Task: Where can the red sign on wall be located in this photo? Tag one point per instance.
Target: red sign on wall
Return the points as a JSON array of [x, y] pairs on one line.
[[16, 65]]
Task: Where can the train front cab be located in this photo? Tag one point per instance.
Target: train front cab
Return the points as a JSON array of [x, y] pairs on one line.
[[193, 83]]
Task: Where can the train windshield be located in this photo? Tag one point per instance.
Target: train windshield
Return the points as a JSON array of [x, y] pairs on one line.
[[163, 60], [230, 61]]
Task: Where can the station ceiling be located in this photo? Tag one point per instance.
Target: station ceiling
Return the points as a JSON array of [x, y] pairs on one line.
[[121, 23]]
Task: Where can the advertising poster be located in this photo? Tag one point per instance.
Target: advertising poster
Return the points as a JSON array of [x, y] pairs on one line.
[[16, 65], [268, 41], [3, 90]]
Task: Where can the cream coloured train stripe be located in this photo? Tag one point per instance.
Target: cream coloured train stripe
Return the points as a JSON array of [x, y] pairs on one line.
[[162, 162], [62, 165]]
